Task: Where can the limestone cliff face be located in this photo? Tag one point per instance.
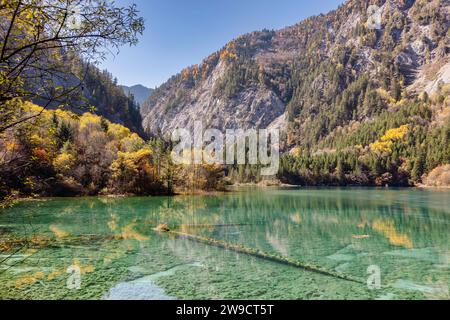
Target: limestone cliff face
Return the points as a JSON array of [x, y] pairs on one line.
[[315, 75], [251, 107]]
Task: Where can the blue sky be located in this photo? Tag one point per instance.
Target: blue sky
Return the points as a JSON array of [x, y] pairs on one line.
[[180, 33]]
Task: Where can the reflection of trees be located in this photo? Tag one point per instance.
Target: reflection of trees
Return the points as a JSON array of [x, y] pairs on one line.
[[328, 215], [387, 228], [307, 225], [341, 214]]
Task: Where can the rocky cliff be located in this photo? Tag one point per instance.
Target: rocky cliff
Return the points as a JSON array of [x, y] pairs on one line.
[[313, 77]]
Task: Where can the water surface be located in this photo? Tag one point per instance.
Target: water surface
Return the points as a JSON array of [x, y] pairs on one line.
[[404, 232]]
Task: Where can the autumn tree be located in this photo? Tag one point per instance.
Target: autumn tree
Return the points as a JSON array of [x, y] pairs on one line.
[[42, 39]]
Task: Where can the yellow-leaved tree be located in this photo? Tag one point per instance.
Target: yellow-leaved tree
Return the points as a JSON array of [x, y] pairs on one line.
[[387, 141], [133, 172], [41, 45]]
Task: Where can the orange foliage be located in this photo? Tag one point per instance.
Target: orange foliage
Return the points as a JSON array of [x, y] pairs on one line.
[[41, 154], [226, 55]]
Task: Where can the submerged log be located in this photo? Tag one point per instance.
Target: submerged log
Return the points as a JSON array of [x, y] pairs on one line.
[[193, 226], [39, 242], [265, 255], [165, 228]]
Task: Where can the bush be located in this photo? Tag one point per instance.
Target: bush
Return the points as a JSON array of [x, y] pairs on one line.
[[439, 177]]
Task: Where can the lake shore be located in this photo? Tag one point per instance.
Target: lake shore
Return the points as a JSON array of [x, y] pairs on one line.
[[230, 188], [422, 186]]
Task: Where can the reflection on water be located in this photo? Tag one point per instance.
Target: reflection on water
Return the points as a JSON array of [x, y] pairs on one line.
[[112, 242]]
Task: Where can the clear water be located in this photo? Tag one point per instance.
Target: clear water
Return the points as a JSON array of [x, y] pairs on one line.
[[404, 232]]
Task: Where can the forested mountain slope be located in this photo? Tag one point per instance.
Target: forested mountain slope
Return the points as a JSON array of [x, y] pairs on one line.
[[96, 91], [110, 101], [326, 64], [332, 84]]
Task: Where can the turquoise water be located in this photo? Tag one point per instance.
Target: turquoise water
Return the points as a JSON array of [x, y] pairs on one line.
[[403, 232]]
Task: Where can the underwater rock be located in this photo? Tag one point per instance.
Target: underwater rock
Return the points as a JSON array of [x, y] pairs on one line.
[[342, 267], [137, 290], [423, 254], [387, 296], [345, 254], [168, 272], [341, 257], [363, 236], [162, 228], [427, 289]]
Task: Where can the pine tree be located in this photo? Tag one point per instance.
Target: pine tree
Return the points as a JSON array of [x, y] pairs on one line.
[[419, 166], [340, 173]]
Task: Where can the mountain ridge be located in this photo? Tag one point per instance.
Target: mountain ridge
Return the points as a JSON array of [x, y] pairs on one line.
[[262, 77], [139, 92]]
